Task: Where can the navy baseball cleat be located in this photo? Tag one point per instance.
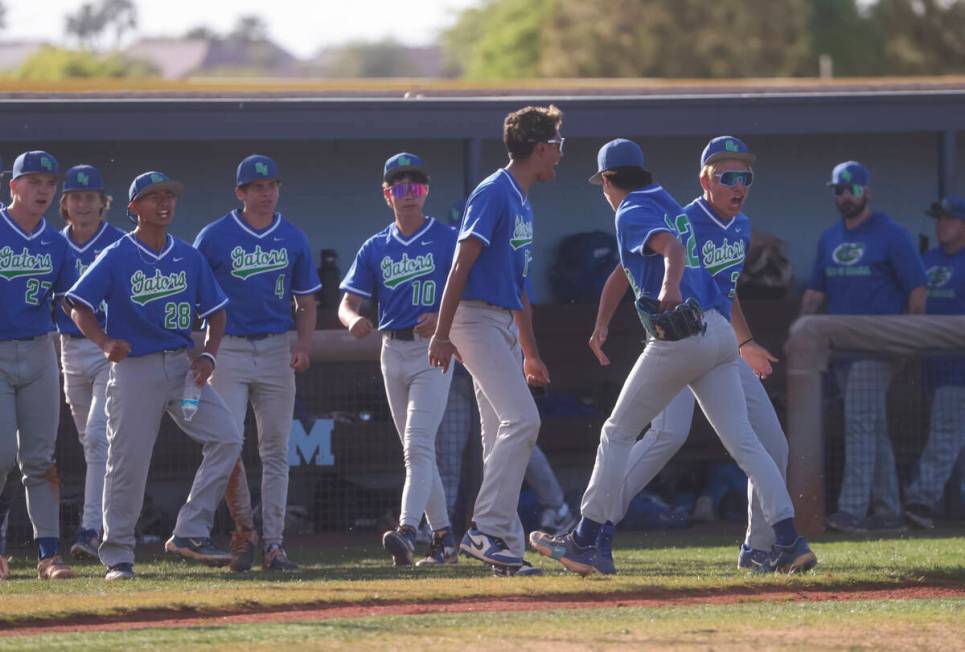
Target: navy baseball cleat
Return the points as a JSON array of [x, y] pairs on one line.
[[121, 571], [85, 544], [753, 559], [442, 550], [564, 549], [400, 543], [604, 549], [488, 549], [199, 549], [793, 558]]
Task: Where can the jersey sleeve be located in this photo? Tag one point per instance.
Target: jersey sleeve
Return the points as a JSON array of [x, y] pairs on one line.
[[638, 224], [818, 282], [94, 284], [210, 297], [906, 262], [67, 274], [361, 279], [304, 275], [484, 211]]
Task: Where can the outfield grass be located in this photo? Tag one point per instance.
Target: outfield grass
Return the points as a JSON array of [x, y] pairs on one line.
[[888, 625], [677, 563]]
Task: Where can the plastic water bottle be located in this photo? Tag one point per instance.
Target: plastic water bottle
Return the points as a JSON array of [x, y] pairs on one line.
[[191, 397]]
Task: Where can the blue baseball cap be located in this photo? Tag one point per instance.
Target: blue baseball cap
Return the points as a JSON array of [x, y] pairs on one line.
[[850, 173], [82, 178], [949, 205], [256, 167], [619, 153], [726, 147], [401, 163], [35, 162], [153, 181]]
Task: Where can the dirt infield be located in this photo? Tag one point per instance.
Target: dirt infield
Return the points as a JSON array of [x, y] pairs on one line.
[[640, 599]]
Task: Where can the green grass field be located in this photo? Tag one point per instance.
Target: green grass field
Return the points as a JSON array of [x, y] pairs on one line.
[[697, 599]]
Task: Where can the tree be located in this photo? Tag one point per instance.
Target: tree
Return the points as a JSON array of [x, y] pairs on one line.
[[387, 58], [55, 64], [90, 22], [249, 29], [922, 37], [3, 16]]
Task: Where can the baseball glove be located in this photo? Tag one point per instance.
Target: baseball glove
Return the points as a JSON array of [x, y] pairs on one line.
[[670, 325]]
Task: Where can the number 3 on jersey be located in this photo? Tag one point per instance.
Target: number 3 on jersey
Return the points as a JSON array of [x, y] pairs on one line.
[[424, 293]]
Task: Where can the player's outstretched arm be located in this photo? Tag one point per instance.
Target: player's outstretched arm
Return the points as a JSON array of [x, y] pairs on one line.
[[613, 290], [115, 350], [534, 368], [665, 244], [441, 349], [305, 319], [756, 356], [350, 314]]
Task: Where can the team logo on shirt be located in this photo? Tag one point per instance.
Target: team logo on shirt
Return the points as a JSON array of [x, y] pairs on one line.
[[848, 253], [145, 289], [938, 276], [522, 233], [245, 264], [396, 272], [14, 265], [720, 258]]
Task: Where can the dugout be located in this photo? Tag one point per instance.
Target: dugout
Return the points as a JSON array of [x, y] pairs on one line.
[[330, 143]]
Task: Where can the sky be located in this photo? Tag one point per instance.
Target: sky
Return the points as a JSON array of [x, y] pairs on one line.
[[301, 27]]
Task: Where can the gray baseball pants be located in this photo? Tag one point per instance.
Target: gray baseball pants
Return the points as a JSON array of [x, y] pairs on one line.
[[709, 364], [870, 476], [488, 342], [139, 391], [417, 396], [29, 418], [85, 385], [946, 441], [259, 371], [670, 429]]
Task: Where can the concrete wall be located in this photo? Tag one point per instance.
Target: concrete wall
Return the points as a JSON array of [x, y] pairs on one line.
[[332, 188]]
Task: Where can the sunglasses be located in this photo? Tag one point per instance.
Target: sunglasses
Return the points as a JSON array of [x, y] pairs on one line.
[[854, 189], [409, 189], [735, 177], [552, 141]]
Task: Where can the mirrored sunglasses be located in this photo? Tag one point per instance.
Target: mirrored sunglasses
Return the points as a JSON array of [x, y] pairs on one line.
[[409, 189], [853, 188], [734, 177]]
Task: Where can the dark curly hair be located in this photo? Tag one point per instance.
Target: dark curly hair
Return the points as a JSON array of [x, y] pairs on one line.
[[525, 128]]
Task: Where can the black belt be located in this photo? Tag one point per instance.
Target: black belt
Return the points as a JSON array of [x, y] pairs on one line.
[[76, 336], [406, 334], [257, 337]]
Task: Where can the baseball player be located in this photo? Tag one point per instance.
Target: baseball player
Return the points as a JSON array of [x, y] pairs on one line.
[[865, 265], [36, 265], [945, 269], [658, 251], [153, 286], [486, 312], [404, 268], [263, 263], [723, 234], [82, 205]]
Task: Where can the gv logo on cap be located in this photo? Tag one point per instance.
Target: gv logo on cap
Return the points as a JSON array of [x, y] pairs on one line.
[[83, 179], [731, 146], [46, 163], [261, 169], [405, 160], [157, 178]]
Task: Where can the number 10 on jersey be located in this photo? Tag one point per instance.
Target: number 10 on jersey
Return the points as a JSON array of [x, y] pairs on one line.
[[424, 293]]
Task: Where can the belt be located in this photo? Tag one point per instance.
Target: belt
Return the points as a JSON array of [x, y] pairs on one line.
[[256, 337], [406, 334], [77, 336]]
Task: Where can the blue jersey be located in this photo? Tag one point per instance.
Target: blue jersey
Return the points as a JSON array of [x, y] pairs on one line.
[[151, 297], [643, 214], [405, 275], [721, 245], [500, 216], [946, 296], [83, 256], [259, 271], [34, 267], [867, 271]]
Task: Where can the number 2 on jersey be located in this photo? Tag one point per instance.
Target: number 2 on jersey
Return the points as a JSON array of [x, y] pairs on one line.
[[685, 233], [35, 288], [424, 293]]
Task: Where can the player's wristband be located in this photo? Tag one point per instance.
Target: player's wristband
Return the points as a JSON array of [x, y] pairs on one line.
[[441, 339], [747, 341], [211, 358]]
